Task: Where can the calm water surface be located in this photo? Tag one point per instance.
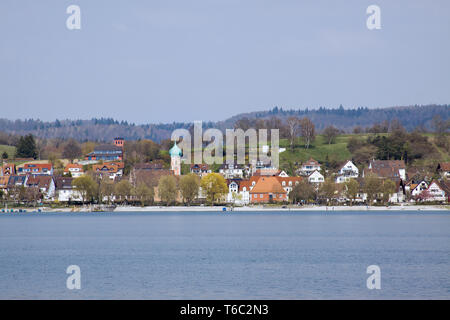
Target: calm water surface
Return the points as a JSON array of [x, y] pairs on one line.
[[225, 255]]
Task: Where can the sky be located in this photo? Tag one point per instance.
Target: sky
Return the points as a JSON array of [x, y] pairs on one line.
[[185, 60]]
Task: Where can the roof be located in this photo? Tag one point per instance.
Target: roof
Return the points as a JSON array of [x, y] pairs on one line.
[[268, 185], [119, 164], [289, 179], [343, 164], [443, 185], [14, 180], [73, 166], [267, 172], [387, 172], [63, 182], [379, 164], [106, 147], [39, 181], [41, 166], [311, 162], [175, 151], [237, 181], [112, 168], [315, 172], [245, 184]]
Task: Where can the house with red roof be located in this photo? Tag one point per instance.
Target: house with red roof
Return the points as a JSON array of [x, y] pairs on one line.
[[35, 169], [309, 167], [43, 183], [75, 170], [200, 169], [268, 189], [110, 170]]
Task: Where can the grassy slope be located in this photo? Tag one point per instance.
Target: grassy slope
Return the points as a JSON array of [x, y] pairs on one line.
[[337, 151], [11, 150], [318, 150]]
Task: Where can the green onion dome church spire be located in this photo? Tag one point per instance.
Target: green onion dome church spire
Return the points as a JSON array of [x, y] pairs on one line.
[[175, 151]]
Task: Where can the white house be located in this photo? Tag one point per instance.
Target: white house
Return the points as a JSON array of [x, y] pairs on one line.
[[65, 191], [244, 191], [437, 191], [75, 170], [316, 177], [44, 183], [346, 172], [233, 191], [309, 167], [418, 188], [231, 170]]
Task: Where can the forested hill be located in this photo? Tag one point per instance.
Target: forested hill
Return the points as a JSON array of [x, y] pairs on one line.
[[106, 129], [347, 119]]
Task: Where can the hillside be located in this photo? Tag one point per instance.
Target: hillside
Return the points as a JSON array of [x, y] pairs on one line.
[[346, 119], [338, 152], [106, 129], [10, 150]]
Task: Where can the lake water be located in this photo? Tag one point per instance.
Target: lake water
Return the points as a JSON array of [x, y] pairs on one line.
[[214, 255]]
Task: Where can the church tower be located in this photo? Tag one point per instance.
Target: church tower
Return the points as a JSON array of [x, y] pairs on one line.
[[175, 159]]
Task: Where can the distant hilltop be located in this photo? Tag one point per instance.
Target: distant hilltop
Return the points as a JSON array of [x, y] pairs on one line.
[[105, 129]]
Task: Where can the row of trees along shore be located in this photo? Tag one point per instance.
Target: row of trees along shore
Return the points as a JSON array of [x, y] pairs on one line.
[[169, 190], [213, 187]]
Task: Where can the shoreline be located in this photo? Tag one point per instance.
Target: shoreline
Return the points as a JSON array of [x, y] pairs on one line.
[[241, 209], [288, 209]]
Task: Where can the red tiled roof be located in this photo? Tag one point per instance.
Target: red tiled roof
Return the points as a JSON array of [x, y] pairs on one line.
[[105, 167], [39, 181], [311, 162], [289, 179], [73, 166], [267, 172], [268, 185], [245, 184], [119, 164], [47, 166]]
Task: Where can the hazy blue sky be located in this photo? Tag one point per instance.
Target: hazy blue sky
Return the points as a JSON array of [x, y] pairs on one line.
[[152, 61]]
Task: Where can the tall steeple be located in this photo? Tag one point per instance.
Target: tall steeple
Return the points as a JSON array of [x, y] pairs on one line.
[[175, 159]]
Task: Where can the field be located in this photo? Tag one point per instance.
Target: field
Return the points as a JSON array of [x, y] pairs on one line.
[[10, 150], [320, 149]]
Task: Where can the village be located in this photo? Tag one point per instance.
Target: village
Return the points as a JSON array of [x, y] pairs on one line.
[[99, 179]]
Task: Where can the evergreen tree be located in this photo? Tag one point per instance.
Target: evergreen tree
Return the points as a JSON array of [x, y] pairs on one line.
[[26, 147]]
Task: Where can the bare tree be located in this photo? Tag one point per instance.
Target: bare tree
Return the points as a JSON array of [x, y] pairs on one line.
[[72, 150], [308, 131], [330, 134], [293, 124]]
